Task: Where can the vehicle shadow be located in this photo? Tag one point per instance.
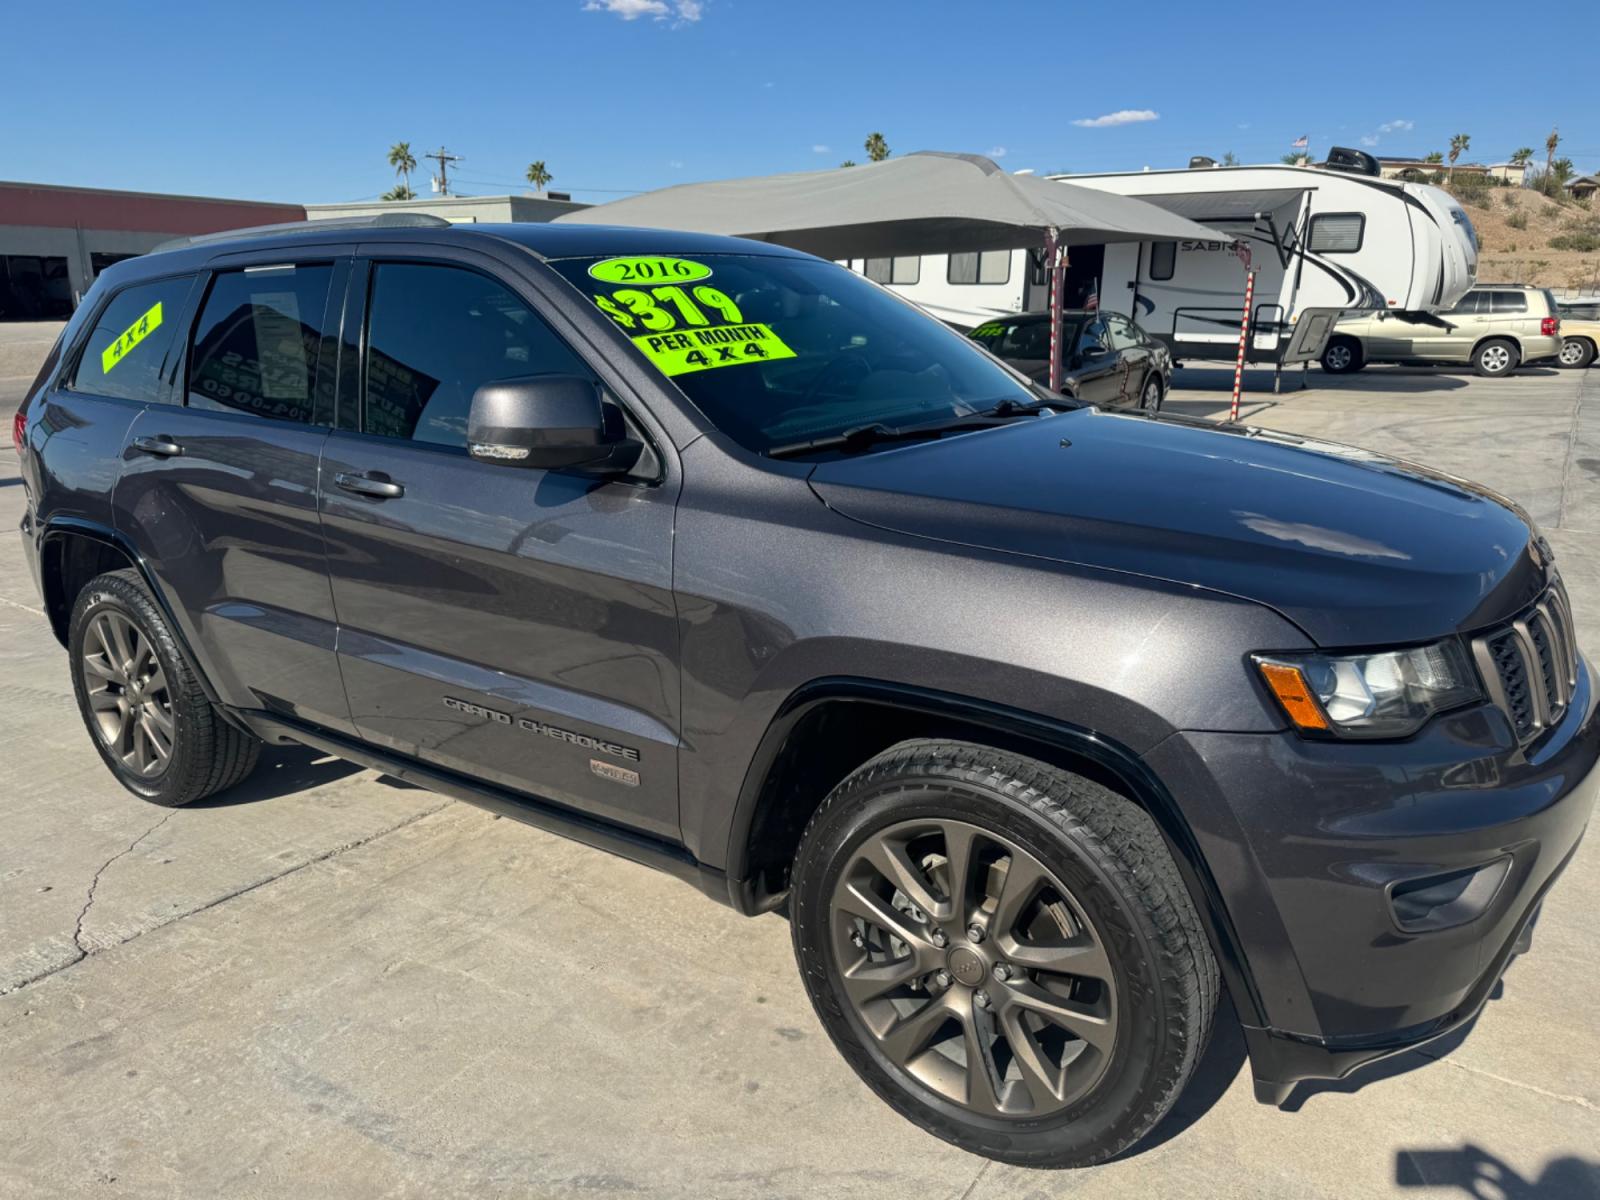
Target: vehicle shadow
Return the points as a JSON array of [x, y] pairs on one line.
[[282, 770], [1218, 1067], [1480, 1174]]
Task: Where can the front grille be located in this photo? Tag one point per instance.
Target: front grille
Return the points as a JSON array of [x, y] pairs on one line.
[[1531, 664]]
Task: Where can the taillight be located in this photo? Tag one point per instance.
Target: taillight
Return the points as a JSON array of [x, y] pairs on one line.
[[19, 429], [1549, 326]]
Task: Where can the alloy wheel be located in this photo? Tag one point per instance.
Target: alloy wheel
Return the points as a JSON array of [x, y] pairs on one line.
[[129, 702], [1337, 358], [1151, 401], [972, 969], [1571, 353], [1495, 358]]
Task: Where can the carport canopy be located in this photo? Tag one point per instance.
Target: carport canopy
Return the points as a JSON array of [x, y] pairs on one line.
[[930, 202], [925, 203]]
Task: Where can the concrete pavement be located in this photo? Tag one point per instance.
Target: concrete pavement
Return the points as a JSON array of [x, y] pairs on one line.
[[326, 984]]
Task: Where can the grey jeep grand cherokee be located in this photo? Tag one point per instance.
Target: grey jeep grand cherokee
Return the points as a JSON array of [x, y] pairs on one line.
[[1043, 724]]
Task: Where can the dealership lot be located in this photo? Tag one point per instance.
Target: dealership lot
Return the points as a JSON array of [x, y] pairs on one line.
[[328, 983]]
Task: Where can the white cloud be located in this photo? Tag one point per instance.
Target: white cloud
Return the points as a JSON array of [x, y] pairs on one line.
[[658, 10], [1369, 139], [819, 148], [1124, 116], [676, 164], [1396, 126], [997, 152]]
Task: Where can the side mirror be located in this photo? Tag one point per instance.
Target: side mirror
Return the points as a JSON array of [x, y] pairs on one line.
[[1094, 350], [552, 422]]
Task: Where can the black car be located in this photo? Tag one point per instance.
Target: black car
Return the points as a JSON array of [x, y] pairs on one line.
[[1044, 724], [1106, 358]]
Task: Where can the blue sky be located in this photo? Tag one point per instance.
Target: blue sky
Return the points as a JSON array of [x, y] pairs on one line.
[[299, 101]]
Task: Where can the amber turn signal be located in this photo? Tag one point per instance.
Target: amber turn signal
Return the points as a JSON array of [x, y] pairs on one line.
[[1289, 686]]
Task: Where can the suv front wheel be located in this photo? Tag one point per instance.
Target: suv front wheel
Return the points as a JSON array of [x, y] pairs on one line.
[[142, 702], [1003, 951]]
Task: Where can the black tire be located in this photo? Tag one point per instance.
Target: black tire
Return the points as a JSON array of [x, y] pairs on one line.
[[1576, 353], [1151, 394], [204, 754], [1495, 357], [1110, 859], [1343, 355]]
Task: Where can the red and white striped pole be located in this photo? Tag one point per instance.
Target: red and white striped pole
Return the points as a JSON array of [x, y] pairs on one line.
[[1052, 251], [1244, 338]]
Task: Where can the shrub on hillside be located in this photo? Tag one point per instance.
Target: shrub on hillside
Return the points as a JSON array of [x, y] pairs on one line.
[[1576, 241], [1517, 220]]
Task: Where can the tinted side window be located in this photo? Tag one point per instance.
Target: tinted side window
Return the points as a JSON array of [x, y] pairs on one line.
[[1163, 259], [130, 340], [1510, 302], [435, 334], [1469, 305], [1094, 335], [1123, 335], [989, 266], [258, 340], [894, 270]]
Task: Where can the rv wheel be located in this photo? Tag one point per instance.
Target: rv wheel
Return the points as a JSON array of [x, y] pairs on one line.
[[1343, 355]]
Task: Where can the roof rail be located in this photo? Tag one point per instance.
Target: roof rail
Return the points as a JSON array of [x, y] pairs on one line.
[[398, 220]]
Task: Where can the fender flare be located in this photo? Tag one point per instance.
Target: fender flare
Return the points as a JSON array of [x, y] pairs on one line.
[[1140, 782]]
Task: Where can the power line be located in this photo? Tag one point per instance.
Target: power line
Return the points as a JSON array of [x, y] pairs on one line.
[[444, 159]]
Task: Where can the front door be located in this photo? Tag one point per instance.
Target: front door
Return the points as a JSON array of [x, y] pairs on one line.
[[219, 490], [1096, 369], [1130, 347], [511, 624]]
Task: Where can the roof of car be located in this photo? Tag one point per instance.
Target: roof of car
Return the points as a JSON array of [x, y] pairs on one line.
[[545, 240]]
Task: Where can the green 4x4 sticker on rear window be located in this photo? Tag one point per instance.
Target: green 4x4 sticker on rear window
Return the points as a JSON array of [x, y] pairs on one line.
[[131, 337], [681, 326]]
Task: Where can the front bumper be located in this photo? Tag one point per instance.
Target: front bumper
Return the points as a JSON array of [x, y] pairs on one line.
[[1310, 844]]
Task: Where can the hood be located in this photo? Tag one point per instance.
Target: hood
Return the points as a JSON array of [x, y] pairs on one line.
[[1355, 548]]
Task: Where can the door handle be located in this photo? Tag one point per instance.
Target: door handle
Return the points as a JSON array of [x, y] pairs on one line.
[[367, 485], [160, 445]]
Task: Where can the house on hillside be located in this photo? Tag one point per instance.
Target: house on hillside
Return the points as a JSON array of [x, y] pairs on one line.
[[1583, 187]]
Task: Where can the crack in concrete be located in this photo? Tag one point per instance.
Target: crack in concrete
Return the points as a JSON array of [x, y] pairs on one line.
[[94, 884], [27, 608], [977, 1179], [84, 952], [1572, 446], [1582, 1102]]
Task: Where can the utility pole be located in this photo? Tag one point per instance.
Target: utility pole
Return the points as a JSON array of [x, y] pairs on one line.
[[444, 159]]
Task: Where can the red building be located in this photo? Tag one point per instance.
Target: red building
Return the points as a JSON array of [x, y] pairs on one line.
[[55, 240]]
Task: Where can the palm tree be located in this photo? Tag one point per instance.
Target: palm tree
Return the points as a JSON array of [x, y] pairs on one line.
[[1230, 159], [1561, 169], [1294, 157], [849, 162], [1458, 144], [1523, 156], [399, 191], [877, 149], [538, 175], [403, 163], [1433, 156], [1550, 144]]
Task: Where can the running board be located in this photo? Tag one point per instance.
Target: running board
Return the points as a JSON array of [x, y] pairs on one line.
[[658, 853]]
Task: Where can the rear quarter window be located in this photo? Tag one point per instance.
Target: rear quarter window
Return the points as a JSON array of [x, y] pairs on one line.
[[132, 336]]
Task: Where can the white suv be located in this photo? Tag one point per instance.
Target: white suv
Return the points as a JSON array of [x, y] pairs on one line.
[[1495, 328]]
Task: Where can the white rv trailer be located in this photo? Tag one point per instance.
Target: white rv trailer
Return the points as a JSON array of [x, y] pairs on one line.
[[1319, 239]]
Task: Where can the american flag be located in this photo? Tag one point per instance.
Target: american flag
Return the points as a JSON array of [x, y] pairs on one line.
[[1301, 142]]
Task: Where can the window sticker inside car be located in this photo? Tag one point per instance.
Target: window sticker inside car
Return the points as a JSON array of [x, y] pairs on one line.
[[653, 269], [682, 329], [721, 346], [130, 337], [993, 329]]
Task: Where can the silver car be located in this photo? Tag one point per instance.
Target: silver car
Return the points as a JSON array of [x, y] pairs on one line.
[[1495, 328]]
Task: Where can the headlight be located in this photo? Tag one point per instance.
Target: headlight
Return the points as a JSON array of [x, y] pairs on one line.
[[1370, 695]]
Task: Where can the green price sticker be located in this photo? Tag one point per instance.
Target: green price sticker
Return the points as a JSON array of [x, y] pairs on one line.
[[988, 331], [718, 346], [654, 269], [131, 337]]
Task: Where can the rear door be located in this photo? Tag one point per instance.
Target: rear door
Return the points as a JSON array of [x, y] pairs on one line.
[[219, 489], [511, 624]]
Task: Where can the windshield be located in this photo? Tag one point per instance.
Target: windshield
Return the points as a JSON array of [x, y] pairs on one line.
[[778, 350], [1024, 339]]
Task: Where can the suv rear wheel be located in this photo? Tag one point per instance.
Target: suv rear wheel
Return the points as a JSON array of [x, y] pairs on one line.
[[1342, 355], [1495, 357], [142, 702], [1003, 951]]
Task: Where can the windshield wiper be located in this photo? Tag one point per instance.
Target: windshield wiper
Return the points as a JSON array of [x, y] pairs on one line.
[[863, 436]]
